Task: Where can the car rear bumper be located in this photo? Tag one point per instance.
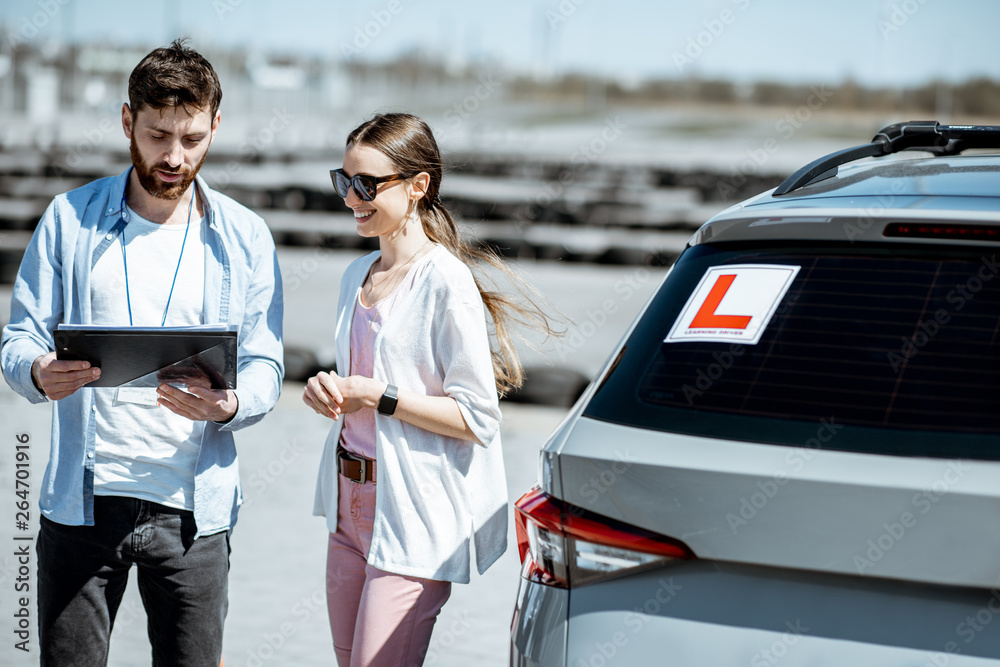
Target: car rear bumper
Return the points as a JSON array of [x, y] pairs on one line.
[[703, 613]]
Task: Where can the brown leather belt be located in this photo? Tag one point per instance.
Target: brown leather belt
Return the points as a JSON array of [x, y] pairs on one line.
[[356, 468]]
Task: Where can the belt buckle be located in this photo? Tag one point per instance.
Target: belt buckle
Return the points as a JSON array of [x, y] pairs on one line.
[[344, 455], [364, 472]]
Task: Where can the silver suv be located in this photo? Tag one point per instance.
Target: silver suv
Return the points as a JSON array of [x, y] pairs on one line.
[[794, 454]]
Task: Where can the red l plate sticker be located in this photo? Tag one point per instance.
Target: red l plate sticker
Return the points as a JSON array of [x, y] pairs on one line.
[[733, 303]]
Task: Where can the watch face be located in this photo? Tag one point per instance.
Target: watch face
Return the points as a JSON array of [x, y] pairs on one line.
[[387, 404]]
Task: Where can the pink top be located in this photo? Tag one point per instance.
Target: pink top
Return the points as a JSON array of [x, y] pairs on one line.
[[358, 434]]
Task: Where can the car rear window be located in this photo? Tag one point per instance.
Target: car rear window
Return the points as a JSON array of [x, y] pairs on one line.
[[878, 349]]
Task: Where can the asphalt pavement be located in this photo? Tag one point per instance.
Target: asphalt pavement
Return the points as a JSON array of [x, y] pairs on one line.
[[277, 606]]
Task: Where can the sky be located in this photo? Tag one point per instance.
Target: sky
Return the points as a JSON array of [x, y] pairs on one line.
[[888, 43]]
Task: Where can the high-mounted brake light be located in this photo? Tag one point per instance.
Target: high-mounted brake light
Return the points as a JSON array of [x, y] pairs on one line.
[[562, 545], [924, 230]]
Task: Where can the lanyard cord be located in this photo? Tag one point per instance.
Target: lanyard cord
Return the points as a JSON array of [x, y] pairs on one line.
[[128, 298]]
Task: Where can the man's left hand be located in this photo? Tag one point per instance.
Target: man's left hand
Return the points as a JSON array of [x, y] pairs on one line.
[[199, 403]]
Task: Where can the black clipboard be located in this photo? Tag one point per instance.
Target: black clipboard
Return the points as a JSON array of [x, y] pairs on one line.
[[150, 356]]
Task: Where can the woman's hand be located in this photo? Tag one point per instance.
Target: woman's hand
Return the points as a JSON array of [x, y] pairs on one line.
[[359, 392], [330, 395], [323, 396]]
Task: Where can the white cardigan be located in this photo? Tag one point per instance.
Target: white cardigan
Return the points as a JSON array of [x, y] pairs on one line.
[[433, 492]]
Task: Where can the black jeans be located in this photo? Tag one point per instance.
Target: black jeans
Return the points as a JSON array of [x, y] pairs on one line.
[[82, 572]]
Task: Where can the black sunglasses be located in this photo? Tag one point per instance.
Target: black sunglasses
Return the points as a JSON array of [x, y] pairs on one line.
[[364, 185]]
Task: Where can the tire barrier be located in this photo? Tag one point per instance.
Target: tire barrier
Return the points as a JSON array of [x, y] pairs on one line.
[[10, 261], [588, 223], [300, 364], [543, 385], [550, 385]]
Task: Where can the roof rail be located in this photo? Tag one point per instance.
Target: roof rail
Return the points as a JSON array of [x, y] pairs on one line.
[[914, 135]]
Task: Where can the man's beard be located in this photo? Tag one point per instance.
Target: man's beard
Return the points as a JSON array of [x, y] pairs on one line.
[[153, 185]]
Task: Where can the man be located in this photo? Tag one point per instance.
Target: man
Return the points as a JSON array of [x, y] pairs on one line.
[[144, 476]]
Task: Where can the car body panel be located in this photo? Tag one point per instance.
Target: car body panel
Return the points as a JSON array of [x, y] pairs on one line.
[[921, 519], [703, 613]]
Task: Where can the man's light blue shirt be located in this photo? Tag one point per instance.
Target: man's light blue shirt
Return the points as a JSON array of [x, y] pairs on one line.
[[242, 287]]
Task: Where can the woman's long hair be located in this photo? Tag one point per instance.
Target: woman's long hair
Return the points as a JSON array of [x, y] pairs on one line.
[[408, 142]]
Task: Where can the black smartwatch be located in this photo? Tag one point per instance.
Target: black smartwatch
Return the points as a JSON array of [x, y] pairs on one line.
[[387, 404]]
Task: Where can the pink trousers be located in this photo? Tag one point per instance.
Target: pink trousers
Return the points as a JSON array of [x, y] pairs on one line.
[[377, 618]]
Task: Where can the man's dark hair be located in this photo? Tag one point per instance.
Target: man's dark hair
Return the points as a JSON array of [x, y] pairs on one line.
[[174, 76]]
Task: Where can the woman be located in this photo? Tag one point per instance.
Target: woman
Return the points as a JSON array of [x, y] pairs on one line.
[[412, 475]]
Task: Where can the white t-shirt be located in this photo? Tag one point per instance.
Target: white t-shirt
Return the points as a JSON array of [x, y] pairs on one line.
[[144, 451]]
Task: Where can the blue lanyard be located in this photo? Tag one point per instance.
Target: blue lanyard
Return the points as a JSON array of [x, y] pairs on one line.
[[124, 220]]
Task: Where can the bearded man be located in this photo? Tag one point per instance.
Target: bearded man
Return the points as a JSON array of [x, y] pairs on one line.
[[144, 477]]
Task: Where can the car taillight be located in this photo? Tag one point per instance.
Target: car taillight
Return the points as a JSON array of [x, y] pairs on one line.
[[563, 545], [943, 231]]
